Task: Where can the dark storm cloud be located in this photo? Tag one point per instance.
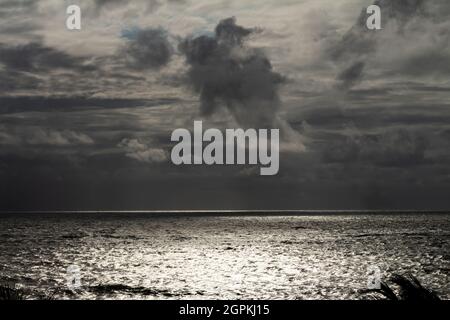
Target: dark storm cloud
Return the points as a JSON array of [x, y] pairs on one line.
[[148, 49], [224, 70], [38, 103], [375, 117], [349, 76], [36, 57], [34, 66], [428, 63], [19, 28], [74, 151], [393, 148], [359, 41], [230, 34], [23, 66], [13, 80], [402, 20]]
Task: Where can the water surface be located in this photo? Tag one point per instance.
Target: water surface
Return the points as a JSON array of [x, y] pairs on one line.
[[183, 256]]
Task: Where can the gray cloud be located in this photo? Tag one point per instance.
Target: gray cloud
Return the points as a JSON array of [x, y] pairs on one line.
[[14, 104], [148, 49], [400, 10], [360, 41], [139, 151], [393, 148], [224, 70], [58, 138], [37, 136], [392, 86], [10, 7], [349, 76], [403, 47], [150, 5], [33, 57], [13, 80], [433, 62], [101, 3]]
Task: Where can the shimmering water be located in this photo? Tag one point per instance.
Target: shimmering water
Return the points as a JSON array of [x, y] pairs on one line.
[[137, 255]]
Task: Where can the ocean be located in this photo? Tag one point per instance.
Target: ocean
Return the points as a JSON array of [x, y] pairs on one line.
[[140, 255]]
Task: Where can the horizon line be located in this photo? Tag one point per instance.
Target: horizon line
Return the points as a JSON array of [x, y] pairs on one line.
[[256, 211]]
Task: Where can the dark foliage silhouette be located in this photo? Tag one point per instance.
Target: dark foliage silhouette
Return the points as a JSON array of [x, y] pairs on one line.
[[402, 287]]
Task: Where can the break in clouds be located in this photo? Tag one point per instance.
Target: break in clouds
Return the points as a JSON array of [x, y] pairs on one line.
[[363, 114]]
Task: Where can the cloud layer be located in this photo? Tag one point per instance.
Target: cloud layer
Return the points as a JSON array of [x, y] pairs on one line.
[[90, 112]]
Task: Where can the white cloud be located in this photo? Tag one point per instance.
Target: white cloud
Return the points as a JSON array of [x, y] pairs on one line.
[[45, 137], [58, 138], [136, 150]]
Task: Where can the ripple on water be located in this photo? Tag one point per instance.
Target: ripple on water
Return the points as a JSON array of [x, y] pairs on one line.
[[295, 257]]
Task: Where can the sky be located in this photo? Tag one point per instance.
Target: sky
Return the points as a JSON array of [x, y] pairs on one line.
[[86, 116]]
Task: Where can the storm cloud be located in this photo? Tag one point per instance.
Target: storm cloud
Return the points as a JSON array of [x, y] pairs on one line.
[[352, 74], [225, 71], [403, 48], [35, 56], [86, 116], [147, 49], [393, 148], [29, 66]]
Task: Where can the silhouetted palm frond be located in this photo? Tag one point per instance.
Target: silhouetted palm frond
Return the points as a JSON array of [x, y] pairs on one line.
[[411, 289], [9, 293], [408, 288]]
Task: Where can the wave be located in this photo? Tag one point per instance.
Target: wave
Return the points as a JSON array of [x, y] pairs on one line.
[[103, 289]]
